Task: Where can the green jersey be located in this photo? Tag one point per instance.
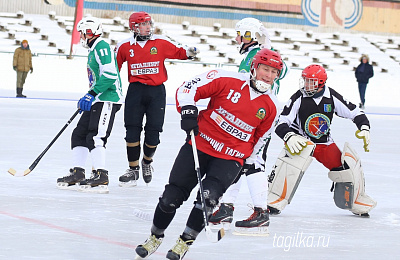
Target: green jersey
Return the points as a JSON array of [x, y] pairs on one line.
[[246, 64], [103, 73]]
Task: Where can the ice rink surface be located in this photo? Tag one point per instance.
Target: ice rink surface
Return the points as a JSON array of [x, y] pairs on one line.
[[39, 221]]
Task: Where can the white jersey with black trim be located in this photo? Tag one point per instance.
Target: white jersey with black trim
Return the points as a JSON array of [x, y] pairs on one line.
[[312, 117]]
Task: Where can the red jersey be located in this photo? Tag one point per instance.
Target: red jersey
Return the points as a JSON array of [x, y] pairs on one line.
[[237, 119], [146, 58]]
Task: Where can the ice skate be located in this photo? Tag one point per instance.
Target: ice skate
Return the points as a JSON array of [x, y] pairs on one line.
[[147, 171], [69, 182], [179, 250], [256, 225], [363, 215], [97, 183], [223, 217], [273, 211], [129, 178], [148, 247]]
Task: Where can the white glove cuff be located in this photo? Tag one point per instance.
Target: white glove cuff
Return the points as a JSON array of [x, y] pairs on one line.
[[287, 136], [364, 127]]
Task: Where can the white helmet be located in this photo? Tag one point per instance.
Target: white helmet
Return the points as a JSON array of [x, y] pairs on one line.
[[254, 30], [91, 27]]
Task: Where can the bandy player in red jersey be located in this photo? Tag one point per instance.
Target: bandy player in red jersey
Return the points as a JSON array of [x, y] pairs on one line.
[[241, 113], [145, 54]]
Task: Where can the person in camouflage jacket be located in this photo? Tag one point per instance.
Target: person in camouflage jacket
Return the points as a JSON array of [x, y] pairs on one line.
[[22, 64]]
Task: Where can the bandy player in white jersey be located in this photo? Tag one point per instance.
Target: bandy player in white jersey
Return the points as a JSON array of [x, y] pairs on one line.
[[304, 125], [240, 114]]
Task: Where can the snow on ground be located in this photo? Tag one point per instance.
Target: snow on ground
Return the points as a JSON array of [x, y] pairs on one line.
[[39, 221]]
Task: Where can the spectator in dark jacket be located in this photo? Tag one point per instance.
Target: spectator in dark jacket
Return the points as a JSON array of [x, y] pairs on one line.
[[22, 64], [363, 73]]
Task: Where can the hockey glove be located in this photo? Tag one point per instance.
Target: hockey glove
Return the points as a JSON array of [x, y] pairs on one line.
[[363, 133], [294, 143], [31, 70], [192, 52], [85, 102], [189, 119], [249, 169], [15, 68]]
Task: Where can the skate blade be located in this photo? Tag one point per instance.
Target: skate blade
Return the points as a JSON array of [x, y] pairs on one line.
[[362, 215], [225, 225], [66, 186], [255, 231], [128, 184], [103, 189]]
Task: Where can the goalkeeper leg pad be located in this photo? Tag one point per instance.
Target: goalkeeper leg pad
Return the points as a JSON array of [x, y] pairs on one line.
[[286, 175], [350, 184]]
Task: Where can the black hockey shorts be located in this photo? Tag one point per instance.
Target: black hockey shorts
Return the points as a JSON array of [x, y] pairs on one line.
[[219, 175], [94, 126], [143, 100]]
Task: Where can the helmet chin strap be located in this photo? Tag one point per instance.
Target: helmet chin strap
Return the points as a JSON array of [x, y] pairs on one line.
[[262, 86], [259, 85]]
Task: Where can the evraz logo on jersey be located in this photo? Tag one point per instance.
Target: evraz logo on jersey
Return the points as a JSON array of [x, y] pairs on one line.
[[317, 125], [230, 129]]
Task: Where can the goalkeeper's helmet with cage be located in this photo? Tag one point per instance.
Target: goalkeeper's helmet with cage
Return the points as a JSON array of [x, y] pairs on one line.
[[313, 78]]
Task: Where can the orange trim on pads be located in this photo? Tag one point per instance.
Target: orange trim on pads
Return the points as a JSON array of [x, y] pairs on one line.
[[282, 197], [350, 155], [359, 203]]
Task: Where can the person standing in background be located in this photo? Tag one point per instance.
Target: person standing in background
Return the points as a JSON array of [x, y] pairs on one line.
[[363, 73], [22, 64], [145, 54]]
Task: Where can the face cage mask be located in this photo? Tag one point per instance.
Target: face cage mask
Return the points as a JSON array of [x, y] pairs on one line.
[[136, 31], [308, 86], [259, 85]]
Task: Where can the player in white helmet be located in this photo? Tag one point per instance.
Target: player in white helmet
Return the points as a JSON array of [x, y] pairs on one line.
[[99, 106]]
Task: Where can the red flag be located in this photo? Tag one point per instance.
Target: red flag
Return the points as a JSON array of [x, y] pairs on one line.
[[75, 34]]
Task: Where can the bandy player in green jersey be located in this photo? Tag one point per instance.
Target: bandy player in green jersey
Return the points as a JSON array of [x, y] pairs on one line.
[[252, 36], [99, 107]]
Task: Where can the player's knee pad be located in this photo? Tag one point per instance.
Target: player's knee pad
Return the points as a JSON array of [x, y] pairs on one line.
[[350, 184], [152, 137], [286, 175], [171, 199], [132, 134]]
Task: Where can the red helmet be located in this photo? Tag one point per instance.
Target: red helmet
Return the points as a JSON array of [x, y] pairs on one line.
[[312, 78], [136, 18], [267, 57]]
